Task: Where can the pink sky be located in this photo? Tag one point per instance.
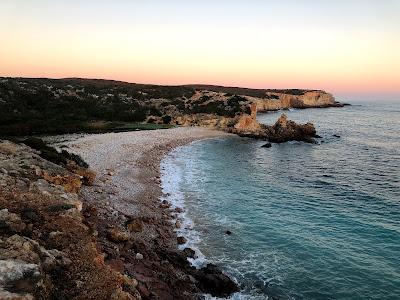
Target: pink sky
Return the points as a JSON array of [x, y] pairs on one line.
[[349, 48]]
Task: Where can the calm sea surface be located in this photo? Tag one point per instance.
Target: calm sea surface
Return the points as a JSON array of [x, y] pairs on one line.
[[307, 221]]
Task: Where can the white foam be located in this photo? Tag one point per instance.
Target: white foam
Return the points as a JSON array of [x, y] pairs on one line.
[[171, 180]]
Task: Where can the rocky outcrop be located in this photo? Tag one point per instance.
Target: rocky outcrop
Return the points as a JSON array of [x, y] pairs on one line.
[[283, 130]]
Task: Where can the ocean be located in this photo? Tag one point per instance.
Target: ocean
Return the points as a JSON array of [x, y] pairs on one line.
[[307, 221]]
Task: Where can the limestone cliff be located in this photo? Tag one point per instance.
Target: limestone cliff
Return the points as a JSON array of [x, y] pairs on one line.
[[308, 99]]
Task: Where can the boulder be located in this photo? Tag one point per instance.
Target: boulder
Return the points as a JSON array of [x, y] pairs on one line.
[[208, 280], [267, 145], [213, 281], [181, 240], [19, 277], [135, 225], [189, 252], [118, 236], [10, 222], [178, 224], [139, 256]]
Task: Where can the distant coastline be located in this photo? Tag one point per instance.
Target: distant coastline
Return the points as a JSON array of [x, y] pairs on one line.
[[61, 106]]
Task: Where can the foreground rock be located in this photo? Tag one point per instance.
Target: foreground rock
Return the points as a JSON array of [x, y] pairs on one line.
[[46, 249]]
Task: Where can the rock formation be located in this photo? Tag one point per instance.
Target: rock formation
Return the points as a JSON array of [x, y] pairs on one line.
[[283, 130]]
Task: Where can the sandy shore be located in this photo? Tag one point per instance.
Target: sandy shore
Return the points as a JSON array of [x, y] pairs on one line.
[[126, 195]]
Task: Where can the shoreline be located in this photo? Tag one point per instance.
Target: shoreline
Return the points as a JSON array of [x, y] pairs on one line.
[[127, 197]]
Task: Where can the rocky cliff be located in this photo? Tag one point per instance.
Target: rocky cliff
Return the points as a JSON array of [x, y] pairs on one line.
[[308, 99]]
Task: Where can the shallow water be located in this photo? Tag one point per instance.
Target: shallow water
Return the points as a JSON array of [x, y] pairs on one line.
[[307, 221]]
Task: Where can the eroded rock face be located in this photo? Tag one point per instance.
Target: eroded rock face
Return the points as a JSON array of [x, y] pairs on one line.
[[247, 124]]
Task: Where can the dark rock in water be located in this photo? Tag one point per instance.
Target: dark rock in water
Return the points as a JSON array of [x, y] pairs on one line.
[[267, 145], [181, 240], [189, 252], [228, 232], [336, 135], [208, 280], [211, 280], [318, 136], [178, 210]]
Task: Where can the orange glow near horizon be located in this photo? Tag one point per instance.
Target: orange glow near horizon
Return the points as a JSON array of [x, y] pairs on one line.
[[336, 59]]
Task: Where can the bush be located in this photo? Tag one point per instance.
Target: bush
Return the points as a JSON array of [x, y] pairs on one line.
[[167, 119], [51, 154]]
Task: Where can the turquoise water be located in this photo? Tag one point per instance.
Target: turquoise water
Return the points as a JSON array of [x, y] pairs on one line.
[[307, 221]]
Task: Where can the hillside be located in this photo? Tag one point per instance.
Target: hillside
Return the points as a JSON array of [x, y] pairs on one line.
[[34, 106]]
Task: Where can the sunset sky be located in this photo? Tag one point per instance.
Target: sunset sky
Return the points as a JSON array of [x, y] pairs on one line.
[[350, 48]]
